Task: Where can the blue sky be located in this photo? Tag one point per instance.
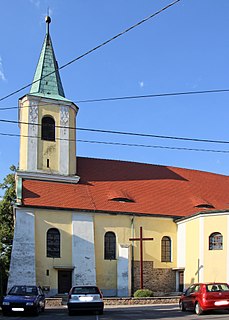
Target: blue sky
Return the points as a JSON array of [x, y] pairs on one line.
[[185, 48]]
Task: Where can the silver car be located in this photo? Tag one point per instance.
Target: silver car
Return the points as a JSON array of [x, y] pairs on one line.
[[85, 298]]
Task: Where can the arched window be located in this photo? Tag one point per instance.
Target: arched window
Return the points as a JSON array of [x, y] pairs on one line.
[[48, 129], [216, 241], [53, 243], [166, 249], [109, 246]]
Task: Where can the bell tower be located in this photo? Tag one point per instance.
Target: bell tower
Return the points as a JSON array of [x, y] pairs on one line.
[[47, 121]]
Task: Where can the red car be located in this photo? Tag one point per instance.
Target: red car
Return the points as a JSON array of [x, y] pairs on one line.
[[202, 297]]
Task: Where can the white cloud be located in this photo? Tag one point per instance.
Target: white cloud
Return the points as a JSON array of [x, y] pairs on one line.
[[141, 84], [2, 75], [36, 3]]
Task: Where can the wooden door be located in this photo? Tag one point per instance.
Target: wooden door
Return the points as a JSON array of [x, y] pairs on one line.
[[64, 281], [181, 281]]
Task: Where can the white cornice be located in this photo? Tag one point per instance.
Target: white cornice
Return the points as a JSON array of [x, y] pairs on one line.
[[47, 177], [48, 100], [203, 214]]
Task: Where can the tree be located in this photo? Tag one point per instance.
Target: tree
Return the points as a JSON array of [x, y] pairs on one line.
[[6, 226]]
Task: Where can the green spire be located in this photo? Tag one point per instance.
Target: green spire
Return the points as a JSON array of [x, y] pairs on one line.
[[50, 85]]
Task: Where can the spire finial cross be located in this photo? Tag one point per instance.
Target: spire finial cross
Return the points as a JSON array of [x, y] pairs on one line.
[[48, 21]]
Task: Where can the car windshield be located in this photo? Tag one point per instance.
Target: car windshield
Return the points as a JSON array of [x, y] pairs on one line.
[[214, 287], [23, 291], [85, 290]]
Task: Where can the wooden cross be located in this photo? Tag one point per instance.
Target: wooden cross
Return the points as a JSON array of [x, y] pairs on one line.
[[141, 239]]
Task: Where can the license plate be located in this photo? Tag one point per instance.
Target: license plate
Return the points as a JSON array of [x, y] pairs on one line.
[[17, 309], [221, 303], [85, 299]]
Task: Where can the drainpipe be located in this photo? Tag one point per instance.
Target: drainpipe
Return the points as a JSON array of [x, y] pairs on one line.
[[132, 255]]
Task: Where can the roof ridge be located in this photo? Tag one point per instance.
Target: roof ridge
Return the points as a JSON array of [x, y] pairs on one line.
[[155, 165]]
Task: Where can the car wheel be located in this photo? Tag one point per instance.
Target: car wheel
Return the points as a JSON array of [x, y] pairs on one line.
[[36, 311], [43, 309], [70, 312], [181, 306], [198, 309]]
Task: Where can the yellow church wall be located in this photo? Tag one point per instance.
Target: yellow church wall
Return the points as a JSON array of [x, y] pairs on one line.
[[45, 220], [215, 260], [157, 228], [126, 227], [106, 270], [49, 149]]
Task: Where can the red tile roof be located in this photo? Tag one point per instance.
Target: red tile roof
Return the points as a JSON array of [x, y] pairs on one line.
[[152, 189]]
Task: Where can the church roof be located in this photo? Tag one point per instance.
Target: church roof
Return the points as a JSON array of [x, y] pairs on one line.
[[47, 81], [130, 187]]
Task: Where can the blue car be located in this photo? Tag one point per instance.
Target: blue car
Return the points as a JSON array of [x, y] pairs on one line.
[[28, 299]]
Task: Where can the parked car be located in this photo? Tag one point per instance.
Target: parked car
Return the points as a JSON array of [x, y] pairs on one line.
[[30, 299], [85, 298], [202, 297]]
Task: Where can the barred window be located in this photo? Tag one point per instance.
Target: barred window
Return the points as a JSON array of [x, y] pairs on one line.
[[109, 246], [216, 241], [165, 249], [48, 129], [53, 243]]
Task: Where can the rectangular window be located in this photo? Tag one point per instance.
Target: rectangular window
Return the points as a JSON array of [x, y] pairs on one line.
[[110, 246], [53, 243]]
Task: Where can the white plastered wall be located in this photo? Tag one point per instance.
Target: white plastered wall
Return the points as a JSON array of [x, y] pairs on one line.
[[83, 249], [181, 250], [32, 137], [123, 271], [181, 245], [22, 266], [64, 141]]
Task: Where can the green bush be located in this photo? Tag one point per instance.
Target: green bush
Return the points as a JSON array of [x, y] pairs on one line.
[[143, 293]]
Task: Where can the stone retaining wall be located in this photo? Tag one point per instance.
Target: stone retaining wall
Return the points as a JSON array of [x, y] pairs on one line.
[[58, 302], [53, 302], [140, 301]]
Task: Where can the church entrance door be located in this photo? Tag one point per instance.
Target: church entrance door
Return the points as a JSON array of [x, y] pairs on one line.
[[64, 281], [181, 281]]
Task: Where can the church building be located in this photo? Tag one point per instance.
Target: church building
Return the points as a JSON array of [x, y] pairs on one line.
[[118, 224]]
